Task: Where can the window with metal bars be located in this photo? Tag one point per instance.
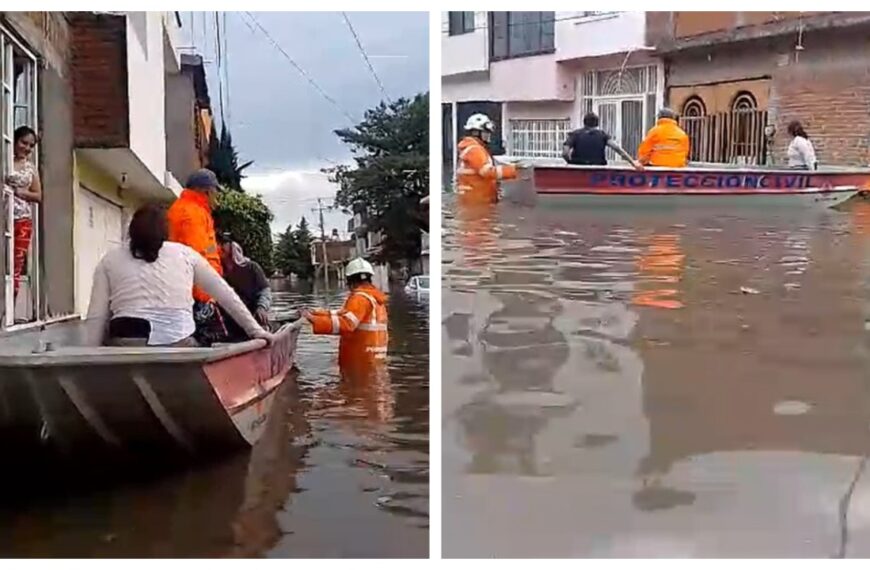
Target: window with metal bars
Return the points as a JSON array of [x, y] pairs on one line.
[[538, 138]]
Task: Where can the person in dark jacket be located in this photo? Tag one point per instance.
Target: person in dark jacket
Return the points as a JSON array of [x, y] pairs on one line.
[[248, 280], [588, 145]]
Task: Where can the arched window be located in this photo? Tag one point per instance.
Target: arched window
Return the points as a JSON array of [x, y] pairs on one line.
[[744, 101], [694, 107]]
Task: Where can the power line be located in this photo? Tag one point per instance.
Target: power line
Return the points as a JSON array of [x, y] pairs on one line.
[[227, 68], [366, 56], [299, 68], [218, 54]]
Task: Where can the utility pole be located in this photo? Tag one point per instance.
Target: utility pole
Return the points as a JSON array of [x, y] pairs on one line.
[[320, 209]]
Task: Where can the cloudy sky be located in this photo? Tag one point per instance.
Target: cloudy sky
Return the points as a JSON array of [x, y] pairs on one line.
[[278, 119]]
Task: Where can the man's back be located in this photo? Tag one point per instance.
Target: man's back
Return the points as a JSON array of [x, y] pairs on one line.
[[588, 146], [666, 144]]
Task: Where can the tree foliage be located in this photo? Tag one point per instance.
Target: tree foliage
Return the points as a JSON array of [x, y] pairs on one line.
[[390, 174], [223, 159], [247, 218], [293, 251]]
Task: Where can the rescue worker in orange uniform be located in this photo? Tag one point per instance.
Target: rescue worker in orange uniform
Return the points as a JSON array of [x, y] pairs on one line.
[[666, 144], [477, 174], [361, 323], [191, 223]]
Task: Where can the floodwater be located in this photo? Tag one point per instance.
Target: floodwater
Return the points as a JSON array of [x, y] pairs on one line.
[[656, 384], [342, 471]]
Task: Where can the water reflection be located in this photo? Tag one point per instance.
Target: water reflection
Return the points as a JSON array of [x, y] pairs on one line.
[[342, 470], [675, 384]]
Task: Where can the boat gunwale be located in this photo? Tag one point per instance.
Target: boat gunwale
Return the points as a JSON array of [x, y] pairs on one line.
[[708, 167], [113, 356]]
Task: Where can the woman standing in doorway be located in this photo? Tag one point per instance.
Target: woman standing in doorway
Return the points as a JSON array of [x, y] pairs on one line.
[[24, 182]]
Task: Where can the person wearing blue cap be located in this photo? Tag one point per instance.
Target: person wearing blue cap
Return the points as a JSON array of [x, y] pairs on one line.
[[191, 223]]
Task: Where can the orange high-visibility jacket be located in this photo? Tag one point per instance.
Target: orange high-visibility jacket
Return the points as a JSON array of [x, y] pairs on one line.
[[191, 223], [666, 144], [362, 324], [477, 175]]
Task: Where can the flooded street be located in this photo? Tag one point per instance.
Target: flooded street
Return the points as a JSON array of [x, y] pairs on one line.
[[656, 384], [342, 471]]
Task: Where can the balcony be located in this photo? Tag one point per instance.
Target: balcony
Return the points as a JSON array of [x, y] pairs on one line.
[[593, 34], [119, 63]]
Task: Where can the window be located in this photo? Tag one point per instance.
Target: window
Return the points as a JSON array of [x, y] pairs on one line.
[[694, 107], [744, 101], [17, 107], [460, 23], [519, 34], [538, 138]]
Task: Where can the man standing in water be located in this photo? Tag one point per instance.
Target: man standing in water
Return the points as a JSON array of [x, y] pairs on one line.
[[666, 144], [477, 175], [587, 146], [361, 323], [191, 223]]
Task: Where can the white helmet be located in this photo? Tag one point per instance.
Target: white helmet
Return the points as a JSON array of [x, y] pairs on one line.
[[357, 266], [479, 122]]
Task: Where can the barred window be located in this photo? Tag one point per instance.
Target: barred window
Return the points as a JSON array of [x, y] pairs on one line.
[[538, 138]]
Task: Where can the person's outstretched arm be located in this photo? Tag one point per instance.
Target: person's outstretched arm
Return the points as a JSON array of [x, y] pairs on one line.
[[621, 152]]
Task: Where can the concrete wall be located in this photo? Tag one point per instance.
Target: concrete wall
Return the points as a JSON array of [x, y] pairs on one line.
[[464, 53], [146, 88], [598, 35], [534, 78], [182, 156]]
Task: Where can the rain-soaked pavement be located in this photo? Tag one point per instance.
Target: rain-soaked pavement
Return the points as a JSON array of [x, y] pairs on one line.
[[342, 471], [657, 384]]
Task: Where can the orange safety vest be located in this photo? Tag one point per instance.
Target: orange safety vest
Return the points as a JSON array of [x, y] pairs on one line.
[[362, 324], [191, 223], [477, 175], [666, 144]]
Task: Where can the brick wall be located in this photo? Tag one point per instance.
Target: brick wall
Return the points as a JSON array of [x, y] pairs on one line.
[[99, 72], [833, 104]]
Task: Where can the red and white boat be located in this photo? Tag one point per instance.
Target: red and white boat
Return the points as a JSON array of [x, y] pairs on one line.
[[59, 396], [697, 184]]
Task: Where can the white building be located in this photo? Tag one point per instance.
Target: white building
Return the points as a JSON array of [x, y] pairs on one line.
[[537, 73]]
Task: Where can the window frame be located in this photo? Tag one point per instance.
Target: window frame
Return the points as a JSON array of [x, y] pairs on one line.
[[543, 48], [463, 23], [10, 46], [530, 129]]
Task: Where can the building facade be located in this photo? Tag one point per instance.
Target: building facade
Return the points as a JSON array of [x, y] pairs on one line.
[[536, 74], [94, 86], [731, 74]]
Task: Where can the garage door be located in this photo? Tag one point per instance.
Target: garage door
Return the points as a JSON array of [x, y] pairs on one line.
[[99, 228]]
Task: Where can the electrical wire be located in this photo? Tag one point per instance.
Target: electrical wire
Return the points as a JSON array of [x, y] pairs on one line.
[[219, 64], [553, 20], [366, 56], [299, 68]]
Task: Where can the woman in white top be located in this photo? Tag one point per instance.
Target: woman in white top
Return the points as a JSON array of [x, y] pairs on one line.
[[801, 153], [143, 292], [24, 186]]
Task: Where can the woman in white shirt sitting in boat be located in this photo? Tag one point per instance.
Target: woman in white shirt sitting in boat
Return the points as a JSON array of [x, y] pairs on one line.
[[801, 153], [143, 292]]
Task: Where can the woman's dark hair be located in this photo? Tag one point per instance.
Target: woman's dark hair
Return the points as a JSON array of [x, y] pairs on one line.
[[148, 230], [24, 131], [795, 129]]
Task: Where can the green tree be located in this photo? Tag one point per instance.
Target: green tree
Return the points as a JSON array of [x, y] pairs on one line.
[[223, 159], [247, 218], [391, 173], [293, 251]]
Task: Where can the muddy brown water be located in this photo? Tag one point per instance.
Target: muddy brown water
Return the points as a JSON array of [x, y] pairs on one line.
[[656, 384], [342, 471]]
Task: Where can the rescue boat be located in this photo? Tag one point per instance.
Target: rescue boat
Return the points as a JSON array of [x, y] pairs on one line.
[[61, 398], [697, 184]]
